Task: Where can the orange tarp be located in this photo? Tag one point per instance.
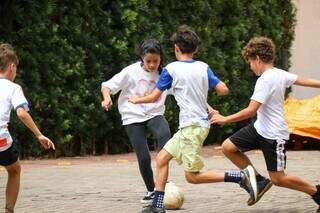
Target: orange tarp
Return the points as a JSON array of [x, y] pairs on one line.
[[303, 116]]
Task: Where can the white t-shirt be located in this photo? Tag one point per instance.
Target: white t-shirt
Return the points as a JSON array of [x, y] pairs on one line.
[[134, 80], [11, 96], [190, 82], [270, 91]]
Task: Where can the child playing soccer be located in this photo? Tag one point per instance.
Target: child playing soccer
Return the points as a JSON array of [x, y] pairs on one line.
[[190, 81], [11, 96], [269, 132], [139, 79]]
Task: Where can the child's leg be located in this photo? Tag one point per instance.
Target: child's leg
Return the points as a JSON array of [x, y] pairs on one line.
[[244, 140], [163, 159], [275, 155], [234, 147], [191, 144], [279, 178], [138, 139], [13, 184], [232, 153], [204, 177], [160, 129]]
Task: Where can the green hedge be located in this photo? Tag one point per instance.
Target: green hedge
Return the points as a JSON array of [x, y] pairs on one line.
[[67, 48]]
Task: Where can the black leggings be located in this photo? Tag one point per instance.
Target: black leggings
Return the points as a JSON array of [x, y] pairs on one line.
[[137, 133]]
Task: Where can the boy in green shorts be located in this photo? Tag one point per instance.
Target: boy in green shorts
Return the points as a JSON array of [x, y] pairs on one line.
[[190, 81]]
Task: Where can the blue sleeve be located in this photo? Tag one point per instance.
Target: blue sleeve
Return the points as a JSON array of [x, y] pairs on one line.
[[25, 106], [165, 80], [212, 79]]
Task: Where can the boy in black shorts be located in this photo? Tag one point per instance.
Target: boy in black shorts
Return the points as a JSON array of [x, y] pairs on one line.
[[270, 131], [11, 96]]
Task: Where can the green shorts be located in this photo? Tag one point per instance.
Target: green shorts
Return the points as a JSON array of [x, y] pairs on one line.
[[185, 147]]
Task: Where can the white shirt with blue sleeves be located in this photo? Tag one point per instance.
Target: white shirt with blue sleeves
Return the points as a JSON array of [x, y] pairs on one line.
[[190, 82]]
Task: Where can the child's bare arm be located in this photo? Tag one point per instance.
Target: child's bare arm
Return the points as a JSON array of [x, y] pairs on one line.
[[107, 101], [155, 95], [246, 113], [307, 82], [25, 117], [221, 88]]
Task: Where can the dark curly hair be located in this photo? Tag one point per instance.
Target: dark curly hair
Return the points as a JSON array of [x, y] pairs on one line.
[[259, 46]]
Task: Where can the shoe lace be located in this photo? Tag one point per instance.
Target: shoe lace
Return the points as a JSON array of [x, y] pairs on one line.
[[149, 195]]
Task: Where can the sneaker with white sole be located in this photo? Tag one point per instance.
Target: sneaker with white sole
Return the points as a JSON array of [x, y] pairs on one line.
[[148, 198], [249, 182], [150, 209], [316, 197], [263, 186]]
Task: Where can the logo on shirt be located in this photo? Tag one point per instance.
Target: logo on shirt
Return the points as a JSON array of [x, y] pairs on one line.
[[3, 142], [145, 87]]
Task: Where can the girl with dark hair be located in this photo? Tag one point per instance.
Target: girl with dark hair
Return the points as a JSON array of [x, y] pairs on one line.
[[139, 79]]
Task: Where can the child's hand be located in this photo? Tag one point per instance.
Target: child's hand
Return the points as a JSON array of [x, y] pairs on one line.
[[46, 142], [211, 112], [106, 104], [133, 99], [216, 118]]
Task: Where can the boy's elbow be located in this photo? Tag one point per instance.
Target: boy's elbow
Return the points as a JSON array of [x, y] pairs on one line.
[[223, 91], [251, 113], [22, 113], [105, 89]]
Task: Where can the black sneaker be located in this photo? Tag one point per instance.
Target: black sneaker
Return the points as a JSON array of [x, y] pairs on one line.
[[316, 196], [148, 198], [150, 209], [263, 186], [249, 182]]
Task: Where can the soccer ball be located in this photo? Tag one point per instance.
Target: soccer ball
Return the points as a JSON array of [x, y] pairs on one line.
[[173, 196]]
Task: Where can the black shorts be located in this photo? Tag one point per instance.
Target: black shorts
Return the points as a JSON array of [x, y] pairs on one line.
[[9, 156], [274, 152]]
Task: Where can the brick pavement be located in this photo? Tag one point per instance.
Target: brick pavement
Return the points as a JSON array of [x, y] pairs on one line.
[[113, 184]]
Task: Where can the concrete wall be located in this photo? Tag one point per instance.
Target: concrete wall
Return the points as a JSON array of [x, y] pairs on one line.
[[306, 46]]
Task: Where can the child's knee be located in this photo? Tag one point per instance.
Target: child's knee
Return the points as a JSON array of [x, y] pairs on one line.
[[278, 181], [14, 169], [228, 147], [163, 158], [160, 160], [191, 177]]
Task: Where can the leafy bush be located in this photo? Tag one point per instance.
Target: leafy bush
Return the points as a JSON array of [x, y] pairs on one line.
[[67, 48]]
